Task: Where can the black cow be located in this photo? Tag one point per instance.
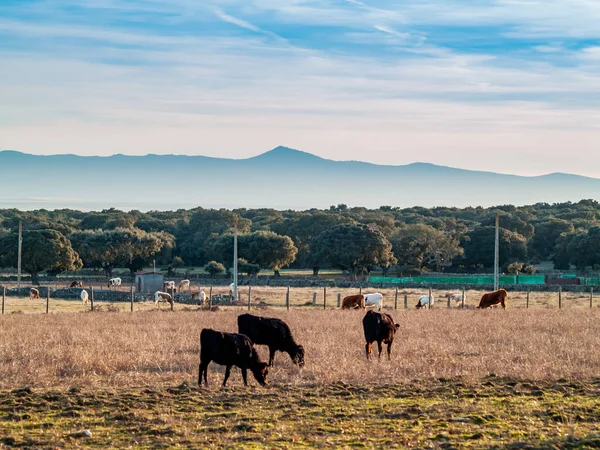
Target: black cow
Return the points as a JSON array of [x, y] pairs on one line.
[[272, 332], [379, 327], [230, 349]]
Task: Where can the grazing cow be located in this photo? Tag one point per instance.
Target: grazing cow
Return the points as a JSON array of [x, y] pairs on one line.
[[353, 301], [375, 299], [493, 298], [33, 293], [424, 300], [230, 349], [76, 284], [456, 298], [379, 327], [183, 284], [84, 297], [271, 332], [114, 282], [202, 298], [162, 297], [169, 286]]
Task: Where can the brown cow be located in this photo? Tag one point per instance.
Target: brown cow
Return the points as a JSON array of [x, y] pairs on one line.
[[379, 327], [76, 284], [34, 293], [493, 298], [354, 301]]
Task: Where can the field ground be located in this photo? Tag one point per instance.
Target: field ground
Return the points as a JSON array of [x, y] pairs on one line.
[[302, 297], [497, 413], [457, 379]]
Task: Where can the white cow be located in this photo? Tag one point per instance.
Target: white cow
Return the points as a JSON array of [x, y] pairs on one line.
[[162, 297], [114, 282], [183, 284], [457, 299], [34, 293], [375, 299], [424, 300], [169, 286], [202, 298], [84, 297]]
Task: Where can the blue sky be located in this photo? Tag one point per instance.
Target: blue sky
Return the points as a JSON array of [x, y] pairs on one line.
[[511, 86]]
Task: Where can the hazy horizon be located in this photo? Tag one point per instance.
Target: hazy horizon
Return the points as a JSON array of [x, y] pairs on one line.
[[491, 85]]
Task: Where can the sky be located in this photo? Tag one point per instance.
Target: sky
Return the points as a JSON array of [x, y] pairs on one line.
[[510, 86]]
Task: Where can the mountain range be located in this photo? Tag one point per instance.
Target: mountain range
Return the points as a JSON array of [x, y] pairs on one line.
[[282, 178]]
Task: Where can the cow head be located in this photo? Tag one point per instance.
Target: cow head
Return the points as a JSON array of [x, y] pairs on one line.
[[298, 357], [260, 371]]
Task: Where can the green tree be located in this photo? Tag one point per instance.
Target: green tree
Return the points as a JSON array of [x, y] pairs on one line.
[[41, 250], [479, 247], [107, 249], [249, 269], [268, 249], [420, 246], [353, 247], [546, 234], [214, 268]]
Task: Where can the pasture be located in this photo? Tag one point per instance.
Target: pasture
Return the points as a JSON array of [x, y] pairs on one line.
[[467, 378]]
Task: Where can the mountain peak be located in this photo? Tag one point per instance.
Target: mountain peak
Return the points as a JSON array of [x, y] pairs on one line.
[[285, 153]]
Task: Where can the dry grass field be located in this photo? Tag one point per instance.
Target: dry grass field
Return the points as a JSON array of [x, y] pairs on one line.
[[520, 378]]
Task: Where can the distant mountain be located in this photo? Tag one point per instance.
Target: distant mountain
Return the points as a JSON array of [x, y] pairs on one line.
[[282, 178]]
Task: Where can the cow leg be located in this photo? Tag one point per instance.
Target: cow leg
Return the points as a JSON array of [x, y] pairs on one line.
[[389, 350], [368, 350], [245, 375], [203, 369], [380, 348], [271, 355], [227, 373]]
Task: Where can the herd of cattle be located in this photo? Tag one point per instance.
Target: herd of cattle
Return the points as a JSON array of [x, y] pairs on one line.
[[237, 349]]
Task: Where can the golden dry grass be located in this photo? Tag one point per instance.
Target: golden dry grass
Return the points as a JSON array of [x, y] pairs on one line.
[[161, 348]]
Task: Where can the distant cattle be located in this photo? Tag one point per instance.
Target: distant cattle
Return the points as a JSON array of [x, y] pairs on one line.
[[457, 299], [169, 286], [230, 349], [183, 284], [162, 297], [202, 298], [84, 297], [114, 282], [274, 333], [379, 327], [34, 293], [353, 301], [76, 284], [424, 300], [494, 298], [375, 299]]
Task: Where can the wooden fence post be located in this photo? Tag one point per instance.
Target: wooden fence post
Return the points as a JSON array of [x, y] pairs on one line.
[[92, 299], [448, 301], [360, 290], [3, 295], [314, 298], [463, 298], [249, 294], [287, 299], [131, 289], [47, 299], [339, 299], [405, 301], [559, 297], [591, 297], [396, 299], [325, 297], [430, 302], [249, 301], [527, 304], [210, 297]]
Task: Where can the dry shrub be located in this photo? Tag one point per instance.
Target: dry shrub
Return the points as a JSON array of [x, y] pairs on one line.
[[162, 347]]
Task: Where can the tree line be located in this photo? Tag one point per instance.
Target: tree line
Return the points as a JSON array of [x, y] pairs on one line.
[[355, 239]]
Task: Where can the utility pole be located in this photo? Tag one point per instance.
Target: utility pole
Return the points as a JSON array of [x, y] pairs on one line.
[[497, 253], [235, 259], [19, 255]]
